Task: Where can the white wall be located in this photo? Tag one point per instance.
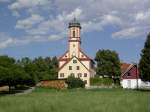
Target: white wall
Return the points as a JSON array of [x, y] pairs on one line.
[[82, 70], [133, 83]]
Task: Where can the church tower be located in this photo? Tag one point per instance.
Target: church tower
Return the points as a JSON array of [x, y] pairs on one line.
[[74, 38], [74, 61]]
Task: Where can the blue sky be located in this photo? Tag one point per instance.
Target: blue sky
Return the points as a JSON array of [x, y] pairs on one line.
[[39, 27]]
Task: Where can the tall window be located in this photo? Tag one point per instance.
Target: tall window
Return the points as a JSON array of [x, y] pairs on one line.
[[70, 67], [85, 74], [79, 74], [73, 33], [61, 74], [78, 68]]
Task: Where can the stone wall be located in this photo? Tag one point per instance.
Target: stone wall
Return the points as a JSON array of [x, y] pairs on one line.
[[58, 84]]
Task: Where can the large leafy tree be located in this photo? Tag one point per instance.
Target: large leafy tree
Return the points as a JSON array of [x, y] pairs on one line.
[[108, 63], [11, 74], [144, 64]]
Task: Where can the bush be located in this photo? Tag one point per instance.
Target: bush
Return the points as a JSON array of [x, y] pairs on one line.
[[73, 82], [101, 81]]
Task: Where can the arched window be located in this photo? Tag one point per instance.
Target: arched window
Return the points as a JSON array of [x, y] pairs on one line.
[[73, 33]]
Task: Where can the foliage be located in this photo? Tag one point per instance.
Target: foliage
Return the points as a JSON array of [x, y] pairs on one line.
[[73, 82], [11, 74], [108, 63], [40, 68], [144, 64], [96, 81], [26, 71]]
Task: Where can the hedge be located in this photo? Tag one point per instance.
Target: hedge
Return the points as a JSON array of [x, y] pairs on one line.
[[96, 81]]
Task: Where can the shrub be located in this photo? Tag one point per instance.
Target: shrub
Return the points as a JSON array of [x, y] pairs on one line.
[[101, 81], [73, 82]]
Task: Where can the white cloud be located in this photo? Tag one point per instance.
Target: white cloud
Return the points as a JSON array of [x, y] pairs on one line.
[[8, 41], [47, 26], [43, 20], [101, 23], [130, 32], [19, 4], [29, 22], [5, 40], [142, 16]]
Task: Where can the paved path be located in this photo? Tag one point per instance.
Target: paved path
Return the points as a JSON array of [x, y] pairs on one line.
[[26, 91]]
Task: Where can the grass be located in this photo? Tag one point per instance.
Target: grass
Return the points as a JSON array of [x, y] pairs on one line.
[[79, 100]]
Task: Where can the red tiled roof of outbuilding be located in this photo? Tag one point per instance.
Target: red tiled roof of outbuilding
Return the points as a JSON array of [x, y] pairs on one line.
[[124, 67]]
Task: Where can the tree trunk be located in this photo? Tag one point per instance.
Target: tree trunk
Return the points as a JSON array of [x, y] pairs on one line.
[[9, 88]]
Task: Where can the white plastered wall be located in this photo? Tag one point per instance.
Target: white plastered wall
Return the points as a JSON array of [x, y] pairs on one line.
[[134, 83], [82, 70]]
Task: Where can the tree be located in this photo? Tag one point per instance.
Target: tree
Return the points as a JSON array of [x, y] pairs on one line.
[[144, 65], [26, 71], [30, 69], [108, 63], [11, 74], [6, 64], [54, 69]]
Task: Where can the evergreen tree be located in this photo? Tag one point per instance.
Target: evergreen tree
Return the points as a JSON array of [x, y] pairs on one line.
[[144, 64]]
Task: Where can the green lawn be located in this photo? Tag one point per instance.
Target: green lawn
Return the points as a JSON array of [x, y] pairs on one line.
[[103, 100]]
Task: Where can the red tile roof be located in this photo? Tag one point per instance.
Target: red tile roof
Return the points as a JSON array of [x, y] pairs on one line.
[[124, 67]]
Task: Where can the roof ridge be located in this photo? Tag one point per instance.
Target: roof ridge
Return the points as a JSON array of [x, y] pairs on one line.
[[131, 65]]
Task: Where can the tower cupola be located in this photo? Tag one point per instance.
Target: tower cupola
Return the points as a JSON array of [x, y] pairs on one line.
[[74, 23]]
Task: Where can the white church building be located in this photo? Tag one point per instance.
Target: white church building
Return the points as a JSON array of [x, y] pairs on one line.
[[74, 61]]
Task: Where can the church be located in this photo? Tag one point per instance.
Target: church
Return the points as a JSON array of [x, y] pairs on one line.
[[74, 61]]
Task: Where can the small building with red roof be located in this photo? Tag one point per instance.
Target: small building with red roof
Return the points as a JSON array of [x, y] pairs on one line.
[[130, 77]]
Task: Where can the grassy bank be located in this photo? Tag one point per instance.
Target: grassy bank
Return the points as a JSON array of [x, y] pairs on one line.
[[103, 100]]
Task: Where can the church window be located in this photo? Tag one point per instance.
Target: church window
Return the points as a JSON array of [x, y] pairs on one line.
[[73, 45], [74, 61], [70, 67], [61, 74], [78, 68], [73, 33], [79, 74], [85, 74]]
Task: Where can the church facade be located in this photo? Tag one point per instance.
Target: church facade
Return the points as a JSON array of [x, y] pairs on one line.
[[74, 61]]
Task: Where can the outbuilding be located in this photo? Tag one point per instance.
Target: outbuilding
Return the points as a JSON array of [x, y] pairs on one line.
[[130, 77]]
